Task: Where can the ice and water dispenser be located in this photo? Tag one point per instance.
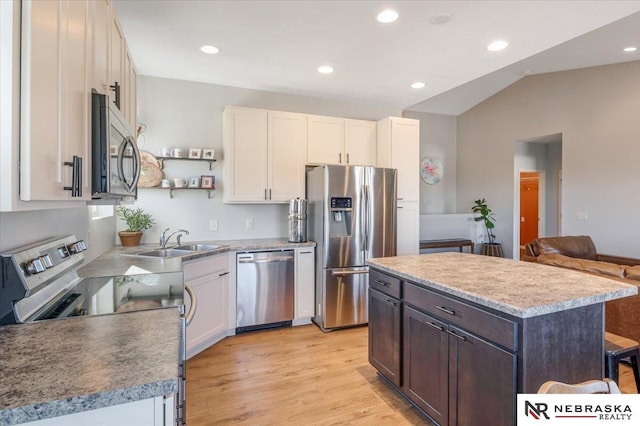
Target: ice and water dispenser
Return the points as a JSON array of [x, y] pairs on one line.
[[341, 215]]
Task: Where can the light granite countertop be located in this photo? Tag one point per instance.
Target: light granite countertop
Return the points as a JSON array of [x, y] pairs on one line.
[[521, 289], [53, 368], [118, 260]]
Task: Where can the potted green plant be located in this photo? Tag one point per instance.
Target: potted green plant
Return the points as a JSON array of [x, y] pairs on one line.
[[485, 215], [137, 221]]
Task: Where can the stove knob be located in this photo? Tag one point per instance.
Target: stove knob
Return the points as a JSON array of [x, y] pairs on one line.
[[75, 248], [46, 261], [34, 266], [63, 251]]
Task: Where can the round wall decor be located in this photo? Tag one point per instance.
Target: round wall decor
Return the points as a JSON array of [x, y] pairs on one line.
[[431, 169]]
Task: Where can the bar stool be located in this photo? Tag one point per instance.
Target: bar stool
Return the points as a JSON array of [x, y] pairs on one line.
[[616, 348]]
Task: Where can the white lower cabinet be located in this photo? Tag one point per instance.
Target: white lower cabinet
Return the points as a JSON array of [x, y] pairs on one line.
[[209, 280], [408, 228], [305, 285], [156, 411]]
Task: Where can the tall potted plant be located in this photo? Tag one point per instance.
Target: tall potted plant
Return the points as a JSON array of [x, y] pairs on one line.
[[137, 221], [485, 215]]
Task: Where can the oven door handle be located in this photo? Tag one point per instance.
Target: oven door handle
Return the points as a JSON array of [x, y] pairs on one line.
[[193, 307]]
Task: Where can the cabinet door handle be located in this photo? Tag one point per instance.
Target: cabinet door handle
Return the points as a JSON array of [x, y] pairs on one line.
[[306, 252], [391, 302], [269, 193], [347, 158], [434, 325], [340, 158], [446, 310], [384, 283], [223, 274], [265, 193], [457, 336], [115, 88]]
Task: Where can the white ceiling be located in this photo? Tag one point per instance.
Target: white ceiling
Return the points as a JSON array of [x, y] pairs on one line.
[[278, 45]]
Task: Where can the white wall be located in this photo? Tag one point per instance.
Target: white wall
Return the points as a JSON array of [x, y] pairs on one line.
[[189, 115], [596, 110], [438, 138], [22, 228]]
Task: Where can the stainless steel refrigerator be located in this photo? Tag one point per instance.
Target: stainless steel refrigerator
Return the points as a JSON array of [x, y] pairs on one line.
[[352, 217]]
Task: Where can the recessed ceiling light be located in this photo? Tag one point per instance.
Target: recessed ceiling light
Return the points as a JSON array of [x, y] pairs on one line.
[[441, 19], [497, 45], [417, 85], [325, 69], [630, 49], [387, 16], [211, 50]]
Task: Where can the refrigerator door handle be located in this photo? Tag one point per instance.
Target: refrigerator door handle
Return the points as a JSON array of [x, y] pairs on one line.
[[338, 272], [367, 219], [363, 218]]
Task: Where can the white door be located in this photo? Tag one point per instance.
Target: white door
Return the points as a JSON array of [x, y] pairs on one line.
[[305, 283], [116, 68], [245, 142], [54, 98], [405, 156], [211, 314], [324, 145], [360, 142], [287, 146], [408, 228]]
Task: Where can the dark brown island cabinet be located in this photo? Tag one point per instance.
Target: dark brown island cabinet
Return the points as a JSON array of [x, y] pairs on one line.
[[462, 363]]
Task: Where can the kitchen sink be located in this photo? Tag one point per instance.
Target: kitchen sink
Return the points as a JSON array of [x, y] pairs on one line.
[[198, 247], [172, 252]]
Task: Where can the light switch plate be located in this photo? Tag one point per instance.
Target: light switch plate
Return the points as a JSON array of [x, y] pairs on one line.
[[213, 225], [249, 224]]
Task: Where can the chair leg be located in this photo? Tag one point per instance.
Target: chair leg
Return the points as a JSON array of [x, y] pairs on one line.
[[636, 374], [612, 368]]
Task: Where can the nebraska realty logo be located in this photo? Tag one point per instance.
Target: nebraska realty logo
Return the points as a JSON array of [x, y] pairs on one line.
[[548, 409]]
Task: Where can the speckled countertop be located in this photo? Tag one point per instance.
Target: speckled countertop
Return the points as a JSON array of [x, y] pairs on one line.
[[119, 259], [53, 368], [521, 289]]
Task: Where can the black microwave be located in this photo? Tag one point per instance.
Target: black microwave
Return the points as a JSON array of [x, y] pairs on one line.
[[115, 155]]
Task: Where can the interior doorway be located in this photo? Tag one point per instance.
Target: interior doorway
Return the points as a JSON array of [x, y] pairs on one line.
[[530, 201], [537, 165]]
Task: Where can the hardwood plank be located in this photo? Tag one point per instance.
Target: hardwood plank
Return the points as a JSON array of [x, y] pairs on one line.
[[299, 376]]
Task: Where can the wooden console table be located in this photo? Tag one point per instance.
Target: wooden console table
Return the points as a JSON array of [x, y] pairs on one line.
[[453, 242]]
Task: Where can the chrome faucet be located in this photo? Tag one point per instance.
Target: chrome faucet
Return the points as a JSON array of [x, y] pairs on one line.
[[164, 241]]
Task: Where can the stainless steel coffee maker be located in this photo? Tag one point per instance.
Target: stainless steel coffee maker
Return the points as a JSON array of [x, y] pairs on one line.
[[297, 220]]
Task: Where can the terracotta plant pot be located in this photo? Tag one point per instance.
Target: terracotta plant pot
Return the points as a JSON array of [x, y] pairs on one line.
[[130, 239]]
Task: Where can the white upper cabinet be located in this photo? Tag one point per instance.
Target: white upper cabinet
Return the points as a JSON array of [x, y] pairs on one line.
[[360, 142], [324, 144], [334, 140], [245, 151], [55, 108], [264, 152], [399, 148], [287, 149], [101, 54]]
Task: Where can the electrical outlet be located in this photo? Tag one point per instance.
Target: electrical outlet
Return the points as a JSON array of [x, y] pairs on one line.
[[583, 216], [248, 224], [213, 225]]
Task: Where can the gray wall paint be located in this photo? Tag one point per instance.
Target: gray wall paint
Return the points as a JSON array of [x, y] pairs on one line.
[[189, 115], [438, 138], [596, 111]]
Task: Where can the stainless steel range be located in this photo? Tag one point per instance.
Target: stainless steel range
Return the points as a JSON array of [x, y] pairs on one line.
[[40, 282]]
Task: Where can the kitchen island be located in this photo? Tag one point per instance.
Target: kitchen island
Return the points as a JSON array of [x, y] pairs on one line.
[[460, 334]]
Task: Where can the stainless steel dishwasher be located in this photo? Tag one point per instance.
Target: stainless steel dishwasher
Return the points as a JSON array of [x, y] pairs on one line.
[[265, 283]]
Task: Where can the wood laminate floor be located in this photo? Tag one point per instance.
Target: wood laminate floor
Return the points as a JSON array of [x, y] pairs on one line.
[[298, 376]]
